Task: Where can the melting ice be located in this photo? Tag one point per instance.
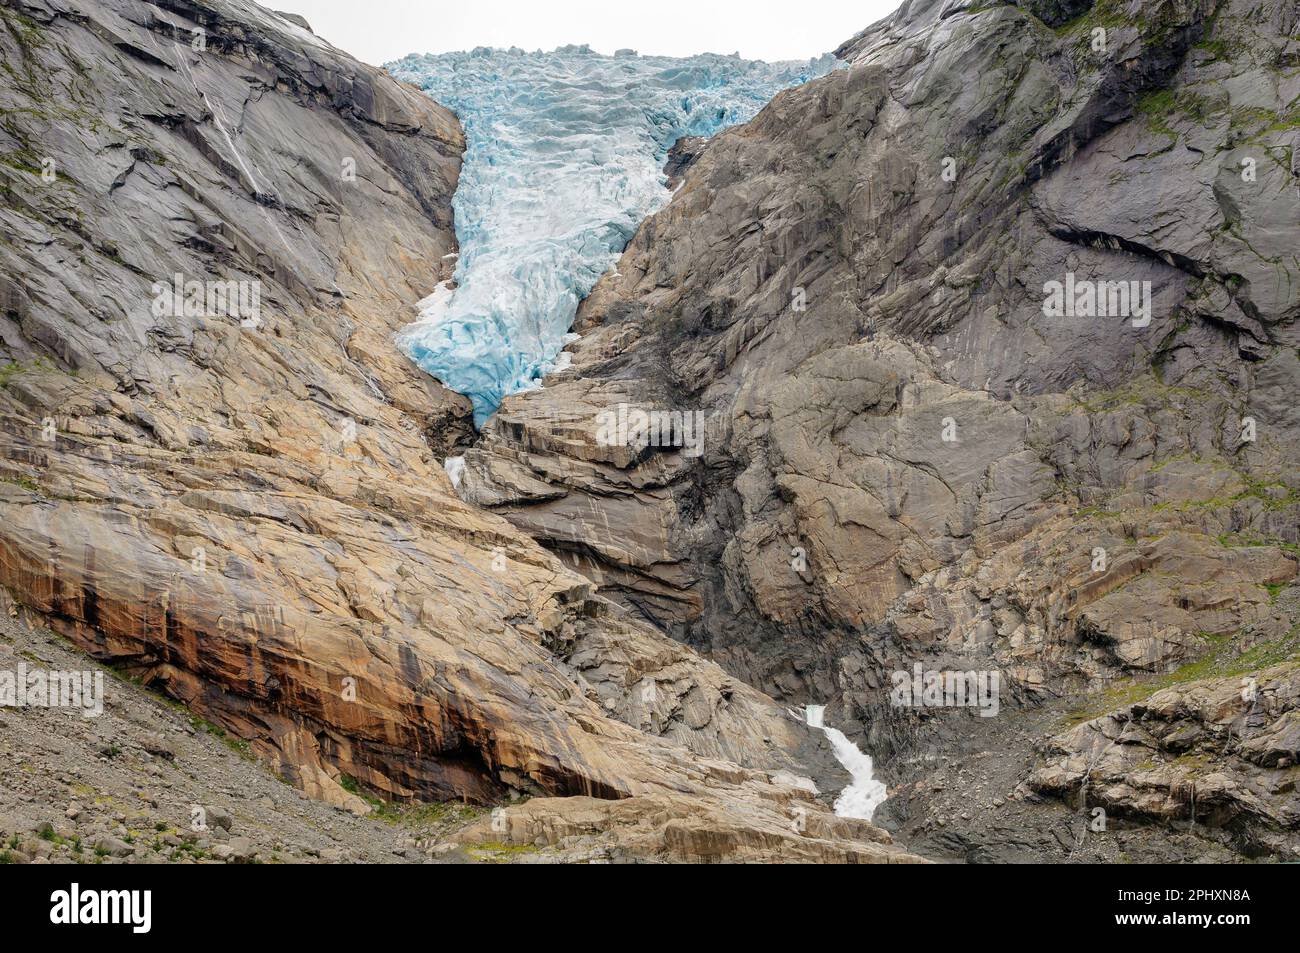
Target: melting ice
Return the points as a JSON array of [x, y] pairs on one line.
[[564, 160], [865, 794]]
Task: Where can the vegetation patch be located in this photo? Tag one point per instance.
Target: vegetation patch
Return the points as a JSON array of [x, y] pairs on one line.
[[1159, 106], [31, 486], [1222, 661], [237, 745], [12, 369], [417, 814], [497, 852]]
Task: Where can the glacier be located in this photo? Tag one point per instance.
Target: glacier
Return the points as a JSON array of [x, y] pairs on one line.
[[564, 160]]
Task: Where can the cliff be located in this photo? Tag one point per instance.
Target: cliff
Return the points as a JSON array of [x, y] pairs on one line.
[[235, 493], [915, 452]]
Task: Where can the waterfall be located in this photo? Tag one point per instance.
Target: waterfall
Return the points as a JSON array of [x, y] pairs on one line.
[[864, 794], [455, 467]]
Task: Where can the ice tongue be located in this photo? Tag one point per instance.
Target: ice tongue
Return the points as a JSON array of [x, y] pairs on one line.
[[564, 160]]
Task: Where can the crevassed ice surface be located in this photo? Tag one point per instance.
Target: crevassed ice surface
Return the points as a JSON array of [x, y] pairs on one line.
[[564, 160]]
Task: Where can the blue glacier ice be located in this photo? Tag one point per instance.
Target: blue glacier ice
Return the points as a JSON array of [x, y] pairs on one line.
[[564, 160]]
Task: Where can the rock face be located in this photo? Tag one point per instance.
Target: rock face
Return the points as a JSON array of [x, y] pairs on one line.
[[687, 829], [147, 783], [150, 782], [913, 450], [1220, 753], [246, 507]]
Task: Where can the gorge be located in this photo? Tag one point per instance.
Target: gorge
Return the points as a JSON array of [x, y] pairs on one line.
[[581, 649]]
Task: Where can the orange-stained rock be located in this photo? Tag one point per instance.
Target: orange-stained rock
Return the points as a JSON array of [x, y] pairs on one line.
[[254, 518]]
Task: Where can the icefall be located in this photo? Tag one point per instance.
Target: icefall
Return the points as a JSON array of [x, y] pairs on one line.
[[564, 160]]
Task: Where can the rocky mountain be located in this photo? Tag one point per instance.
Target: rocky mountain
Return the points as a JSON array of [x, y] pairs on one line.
[[244, 507], [994, 338], [916, 452]]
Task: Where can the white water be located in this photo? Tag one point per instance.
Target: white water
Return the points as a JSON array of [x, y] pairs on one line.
[[455, 467], [865, 794]]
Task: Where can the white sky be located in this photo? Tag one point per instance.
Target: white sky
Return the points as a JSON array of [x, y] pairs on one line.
[[378, 31]]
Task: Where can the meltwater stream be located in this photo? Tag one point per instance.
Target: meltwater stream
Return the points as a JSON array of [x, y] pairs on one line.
[[564, 160], [865, 793]]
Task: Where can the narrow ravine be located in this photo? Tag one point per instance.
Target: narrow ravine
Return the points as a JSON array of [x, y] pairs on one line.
[[865, 794]]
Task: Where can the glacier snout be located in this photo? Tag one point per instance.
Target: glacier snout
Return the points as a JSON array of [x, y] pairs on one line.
[[564, 159]]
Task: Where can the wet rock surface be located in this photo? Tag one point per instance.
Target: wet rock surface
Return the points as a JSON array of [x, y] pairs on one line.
[[145, 781]]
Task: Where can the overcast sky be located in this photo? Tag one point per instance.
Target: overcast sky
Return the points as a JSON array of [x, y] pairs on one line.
[[377, 31]]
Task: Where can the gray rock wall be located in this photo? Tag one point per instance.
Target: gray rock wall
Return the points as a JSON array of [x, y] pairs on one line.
[[910, 456]]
